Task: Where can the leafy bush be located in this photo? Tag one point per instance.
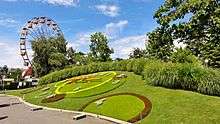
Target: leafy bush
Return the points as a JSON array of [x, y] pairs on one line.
[[138, 65], [184, 56], [188, 76]]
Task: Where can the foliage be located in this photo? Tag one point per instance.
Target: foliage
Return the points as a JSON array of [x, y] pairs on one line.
[[160, 43], [71, 56], [49, 54], [184, 56], [196, 23], [79, 58], [137, 53], [99, 47], [3, 71], [15, 74]]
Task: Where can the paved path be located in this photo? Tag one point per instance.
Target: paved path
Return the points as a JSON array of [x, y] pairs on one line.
[[22, 114]]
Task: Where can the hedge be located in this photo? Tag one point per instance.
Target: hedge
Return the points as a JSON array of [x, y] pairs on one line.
[[187, 76]]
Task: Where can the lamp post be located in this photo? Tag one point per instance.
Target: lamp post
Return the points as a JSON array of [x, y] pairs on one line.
[[3, 73], [3, 84]]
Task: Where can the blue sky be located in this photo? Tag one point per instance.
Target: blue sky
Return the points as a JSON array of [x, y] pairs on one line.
[[125, 22]]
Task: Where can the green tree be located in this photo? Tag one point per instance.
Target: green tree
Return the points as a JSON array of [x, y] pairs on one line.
[[49, 54], [15, 74], [160, 43], [71, 56], [78, 58], [196, 23], [99, 47], [5, 69], [137, 53]]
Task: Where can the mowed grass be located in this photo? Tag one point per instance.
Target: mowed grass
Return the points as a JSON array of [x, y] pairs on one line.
[[121, 107], [169, 106]]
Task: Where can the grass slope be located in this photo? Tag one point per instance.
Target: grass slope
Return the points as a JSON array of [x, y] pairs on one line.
[[169, 106]]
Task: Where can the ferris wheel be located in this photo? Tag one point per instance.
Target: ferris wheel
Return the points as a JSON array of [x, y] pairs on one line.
[[35, 29]]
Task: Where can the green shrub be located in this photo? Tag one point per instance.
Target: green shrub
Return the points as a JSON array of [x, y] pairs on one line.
[[184, 56], [138, 65], [130, 65]]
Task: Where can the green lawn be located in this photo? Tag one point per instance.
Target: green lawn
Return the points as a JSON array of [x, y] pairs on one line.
[[121, 107], [169, 106]]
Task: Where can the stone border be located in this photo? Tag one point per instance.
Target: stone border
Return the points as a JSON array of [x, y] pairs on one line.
[[69, 111], [140, 116]]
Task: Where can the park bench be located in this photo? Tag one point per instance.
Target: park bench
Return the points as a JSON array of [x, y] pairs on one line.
[[4, 105], [80, 116], [3, 117], [36, 109], [15, 103]]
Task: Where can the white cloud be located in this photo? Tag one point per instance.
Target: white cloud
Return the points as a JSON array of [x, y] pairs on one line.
[[81, 41], [108, 10], [10, 54], [8, 22], [122, 47], [62, 2], [111, 30], [142, 1], [10, 0], [114, 29], [52, 2]]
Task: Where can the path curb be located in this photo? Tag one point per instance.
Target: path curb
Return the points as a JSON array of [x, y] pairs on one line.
[[69, 111]]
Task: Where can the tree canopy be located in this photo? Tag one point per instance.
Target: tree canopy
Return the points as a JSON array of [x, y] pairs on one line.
[[195, 23], [99, 47], [137, 53], [160, 43], [49, 54]]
